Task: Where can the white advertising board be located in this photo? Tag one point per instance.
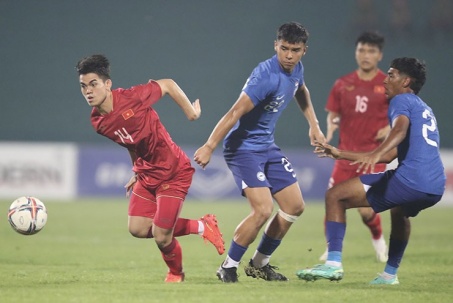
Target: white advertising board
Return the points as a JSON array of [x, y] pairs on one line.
[[44, 170]]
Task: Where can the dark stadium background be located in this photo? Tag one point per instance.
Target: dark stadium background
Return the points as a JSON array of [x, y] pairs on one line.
[[208, 47]]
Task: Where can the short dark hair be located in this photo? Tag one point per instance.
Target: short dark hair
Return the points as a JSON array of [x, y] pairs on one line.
[[98, 64], [372, 38], [292, 32], [413, 68]]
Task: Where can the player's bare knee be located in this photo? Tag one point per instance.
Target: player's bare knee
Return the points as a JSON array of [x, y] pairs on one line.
[[266, 214], [140, 230], [137, 233], [332, 196], [366, 213], [263, 212], [298, 209], [162, 240]]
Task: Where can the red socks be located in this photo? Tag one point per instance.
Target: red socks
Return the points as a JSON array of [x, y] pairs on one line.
[[172, 255], [183, 227], [374, 224]]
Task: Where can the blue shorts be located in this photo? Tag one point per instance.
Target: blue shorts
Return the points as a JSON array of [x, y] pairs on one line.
[[269, 168], [387, 192]]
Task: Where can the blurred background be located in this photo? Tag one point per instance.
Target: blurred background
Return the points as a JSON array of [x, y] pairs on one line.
[[209, 48]]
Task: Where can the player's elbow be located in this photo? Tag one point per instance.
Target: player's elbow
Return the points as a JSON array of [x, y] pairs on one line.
[[167, 86], [192, 116]]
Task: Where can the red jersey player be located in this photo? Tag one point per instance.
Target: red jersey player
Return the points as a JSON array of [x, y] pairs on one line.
[[163, 172], [358, 106]]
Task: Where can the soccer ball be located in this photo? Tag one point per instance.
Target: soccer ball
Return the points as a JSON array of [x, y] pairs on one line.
[[27, 215]]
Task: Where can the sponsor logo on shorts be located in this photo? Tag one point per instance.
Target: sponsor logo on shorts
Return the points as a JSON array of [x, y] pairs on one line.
[[261, 176]]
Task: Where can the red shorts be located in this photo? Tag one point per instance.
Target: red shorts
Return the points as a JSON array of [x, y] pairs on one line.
[[162, 203], [343, 171]]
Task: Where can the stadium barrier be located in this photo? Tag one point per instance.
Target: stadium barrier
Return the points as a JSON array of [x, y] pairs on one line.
[[103, 171], [67, 170]]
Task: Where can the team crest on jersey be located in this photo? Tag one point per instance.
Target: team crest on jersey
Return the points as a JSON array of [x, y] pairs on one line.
[[127, 114], [379, 89], [349, 87], [261, 176]]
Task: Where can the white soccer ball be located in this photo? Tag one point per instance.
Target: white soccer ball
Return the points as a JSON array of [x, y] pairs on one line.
[[27, 215]]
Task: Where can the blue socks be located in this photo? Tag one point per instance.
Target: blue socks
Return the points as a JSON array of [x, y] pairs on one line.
[[335, 234], [236, 251], [396, 252], [265, 249], [268, 245]]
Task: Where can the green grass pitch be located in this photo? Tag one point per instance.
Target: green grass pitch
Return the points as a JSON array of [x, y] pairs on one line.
[[85, 254]]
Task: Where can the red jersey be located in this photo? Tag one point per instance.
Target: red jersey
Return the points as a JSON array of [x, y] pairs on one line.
[[134, 124], [363, 108]]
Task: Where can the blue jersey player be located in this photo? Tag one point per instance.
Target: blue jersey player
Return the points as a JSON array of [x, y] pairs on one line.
[[261, 170], [417, 183]]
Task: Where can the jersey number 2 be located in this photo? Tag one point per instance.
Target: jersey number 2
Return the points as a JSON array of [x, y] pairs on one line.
[[429, 127]]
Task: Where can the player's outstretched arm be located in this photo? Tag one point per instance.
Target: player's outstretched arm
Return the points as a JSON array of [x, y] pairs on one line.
[[387, 151], [191, 110], [304, 101], [366, 159], [325, 150], [242, 106]]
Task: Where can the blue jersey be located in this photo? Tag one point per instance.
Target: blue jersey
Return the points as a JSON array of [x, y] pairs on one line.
[[420, 166], [271, 89]]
